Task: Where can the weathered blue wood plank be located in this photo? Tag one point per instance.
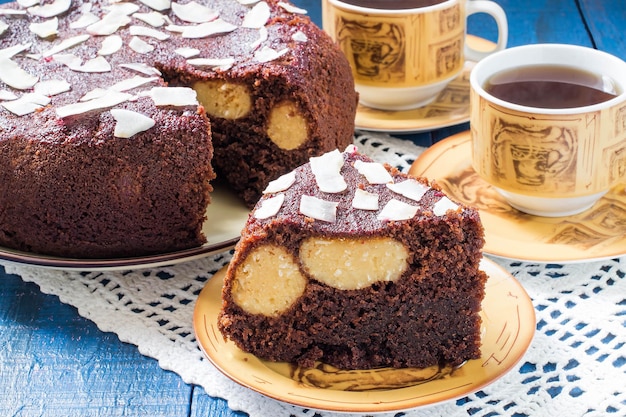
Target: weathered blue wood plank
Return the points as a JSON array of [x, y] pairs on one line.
[[606, 20], [55, 363]]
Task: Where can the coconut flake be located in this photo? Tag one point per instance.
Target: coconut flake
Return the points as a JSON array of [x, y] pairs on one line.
[[281, 183], [299, 36], [257, 16], [397, 210], [291, 8], [173, 96], [26, 104], [141, 68], [267, 54], [84, 20], [187, 52], [205, 30], [248, 2], [129, 123], [65, 44], [46, 28], [140, 46], [109, 24], [53, 9], [11, 51], [132, 83], [442, 206], [6, 95], [121, 8], [263, 35], [220, 63], [3, 27], [319, 209], [14, 76], [374, 172], [193, 12], [159, 5], [12, 12], [27, 3], [94, 94], [146, 31], [52, 87], [110, 45], [110, 99], [98, 64], [270, 207], [410, 188], [327, 171], [154, 19], [364, 200]]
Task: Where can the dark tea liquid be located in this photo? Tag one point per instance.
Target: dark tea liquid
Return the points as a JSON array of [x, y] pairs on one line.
[[393, 4], [554, 87]]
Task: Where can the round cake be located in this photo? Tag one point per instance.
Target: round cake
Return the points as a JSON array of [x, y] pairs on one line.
[[351, 263], [115, 116]]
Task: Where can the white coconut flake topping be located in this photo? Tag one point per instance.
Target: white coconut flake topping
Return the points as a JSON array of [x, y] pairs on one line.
[[11, 51], [154, 18], [291, 8], [205, 30], [12, 12], [27, 3], [53, 9], [442, 206], [109, 99], [140, 46], [257, 16], [220, 63], [3, 27], [146, 31], [281, 183], [109, 24], [173, 96], [267, 54], [46, 28], [26, 104], [65, 44], [410, 188], [248, 2], [318, 209], [52, 87], [364, 200], [263, 35], [187, 52], [374, 172], [397, 210], [14, 76], [110, 45], [129, 123], [327, 172], [84, 20], [270, 207], [130, 83], [299, 36], [98, 64], [141, 68], [193, 12], [159, 5], [6, 95]]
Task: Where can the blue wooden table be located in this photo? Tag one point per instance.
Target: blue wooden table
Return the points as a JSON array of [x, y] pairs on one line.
[[56, 362]]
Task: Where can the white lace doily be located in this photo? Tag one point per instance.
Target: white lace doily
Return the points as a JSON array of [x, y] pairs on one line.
[[575, 366]]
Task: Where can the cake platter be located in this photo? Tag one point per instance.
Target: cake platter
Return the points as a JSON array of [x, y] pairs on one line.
[[508, 329], [596, 234], [449, 109], [226, 217]]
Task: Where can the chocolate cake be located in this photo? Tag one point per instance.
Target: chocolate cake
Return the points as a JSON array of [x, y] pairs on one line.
[[354, 264], [106, 149]]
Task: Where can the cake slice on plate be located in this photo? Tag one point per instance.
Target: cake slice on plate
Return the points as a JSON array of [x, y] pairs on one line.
[[354, 264]]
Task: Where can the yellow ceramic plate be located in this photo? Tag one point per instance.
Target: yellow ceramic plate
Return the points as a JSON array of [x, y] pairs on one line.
[[598, 233], [508, 329], [449, 109], [226, 216]]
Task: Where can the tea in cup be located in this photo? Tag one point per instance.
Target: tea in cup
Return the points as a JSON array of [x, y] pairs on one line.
[[548, 126], [403, 53]]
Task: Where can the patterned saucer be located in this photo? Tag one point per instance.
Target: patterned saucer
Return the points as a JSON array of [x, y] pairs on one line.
[[596, 234]]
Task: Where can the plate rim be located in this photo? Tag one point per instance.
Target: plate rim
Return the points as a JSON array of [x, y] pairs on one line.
[[431, 154], [372, 402]]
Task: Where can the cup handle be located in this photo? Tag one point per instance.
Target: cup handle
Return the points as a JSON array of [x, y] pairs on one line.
[[494, 10]]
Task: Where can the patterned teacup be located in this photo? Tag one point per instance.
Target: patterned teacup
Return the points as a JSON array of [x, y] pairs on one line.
[[561, 158], [403, 53]]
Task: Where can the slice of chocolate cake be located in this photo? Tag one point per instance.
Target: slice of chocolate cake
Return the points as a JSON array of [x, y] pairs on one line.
[[354, 264]]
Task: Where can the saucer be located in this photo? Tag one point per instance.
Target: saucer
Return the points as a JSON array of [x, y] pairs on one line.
[[449, 109], [507, 330], [596, 234]]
